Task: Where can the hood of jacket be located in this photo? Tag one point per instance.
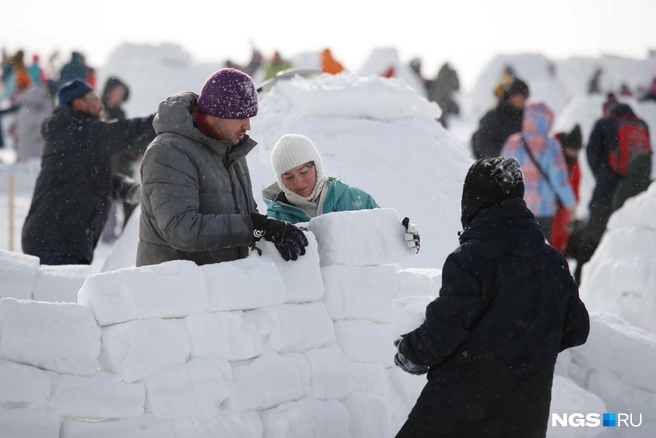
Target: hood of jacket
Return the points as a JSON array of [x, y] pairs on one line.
[[174, 116], [509, 226], [538, 120], [112, 83]]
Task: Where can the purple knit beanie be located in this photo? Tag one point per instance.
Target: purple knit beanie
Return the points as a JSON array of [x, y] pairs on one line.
[[228, 94]]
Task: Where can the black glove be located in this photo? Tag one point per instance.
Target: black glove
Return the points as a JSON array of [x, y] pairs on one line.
[[411, 235], [289, 240], [402, 361]]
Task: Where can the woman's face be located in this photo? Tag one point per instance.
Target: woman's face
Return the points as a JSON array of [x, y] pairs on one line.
[[301, 179]]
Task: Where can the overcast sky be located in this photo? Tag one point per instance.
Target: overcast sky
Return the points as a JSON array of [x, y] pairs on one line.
[[466, 33]]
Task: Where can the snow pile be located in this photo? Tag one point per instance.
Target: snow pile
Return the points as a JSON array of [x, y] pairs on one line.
[[621, 276], [25, 279], [613, 364], [386, 61]]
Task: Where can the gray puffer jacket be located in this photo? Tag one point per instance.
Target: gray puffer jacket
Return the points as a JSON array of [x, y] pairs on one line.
[[196, 194]]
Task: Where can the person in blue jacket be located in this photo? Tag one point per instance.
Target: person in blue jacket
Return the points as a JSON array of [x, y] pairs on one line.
[[303, 190]]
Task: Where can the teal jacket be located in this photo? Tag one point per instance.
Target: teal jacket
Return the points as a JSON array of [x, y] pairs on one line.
[[340, 197]]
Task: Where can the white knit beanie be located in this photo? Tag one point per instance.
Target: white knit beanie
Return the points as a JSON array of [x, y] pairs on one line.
[[291, 151]]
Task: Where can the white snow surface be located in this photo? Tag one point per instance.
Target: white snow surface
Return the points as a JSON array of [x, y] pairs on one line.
[[621, 276]]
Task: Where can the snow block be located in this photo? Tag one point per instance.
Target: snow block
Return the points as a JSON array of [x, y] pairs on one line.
[[567, 397], [224, 425], [366, 341], [408, 313], [618, 348], [60, 284], [295, 328], [407, 387], [168, 290], [370, 415], [308, 417], [303, 276], [18, 273], [146, 426], [334, 377], [191, 391], [136, 349], [23, 384], [360, 292], [266, 382], [244, 284], [416, 282], [102, 395], [29, 423], [61, 337], [360, 238], [224, 334]]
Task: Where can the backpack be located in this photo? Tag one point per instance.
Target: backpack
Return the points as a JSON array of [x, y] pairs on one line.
[[632, 139]]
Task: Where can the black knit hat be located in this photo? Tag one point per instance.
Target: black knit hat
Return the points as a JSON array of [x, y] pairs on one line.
[[518, 87], [573, 139], [490, 181]]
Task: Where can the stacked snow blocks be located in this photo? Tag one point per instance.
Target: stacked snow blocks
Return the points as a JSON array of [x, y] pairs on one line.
[[48, 367], [25, 279], [251, 348], [614, 364], [360, 253]]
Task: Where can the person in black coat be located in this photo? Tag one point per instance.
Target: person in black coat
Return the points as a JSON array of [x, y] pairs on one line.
[[501, 122], [74, 188], [508, 305], [603, 140], [115, 93]]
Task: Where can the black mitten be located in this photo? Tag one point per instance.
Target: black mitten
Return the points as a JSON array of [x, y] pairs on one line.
[[289, 240], [402, 361]]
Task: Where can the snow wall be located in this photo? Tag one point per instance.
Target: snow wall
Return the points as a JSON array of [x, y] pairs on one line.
[[258, 347]]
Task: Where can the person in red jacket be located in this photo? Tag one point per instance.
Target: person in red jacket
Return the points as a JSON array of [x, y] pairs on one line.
[[571, 143]]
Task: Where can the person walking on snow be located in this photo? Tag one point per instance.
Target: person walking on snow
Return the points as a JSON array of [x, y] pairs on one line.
[[197, 196], [501, 122], [303, 190], [508, 305], [74, 189], [541, 158]]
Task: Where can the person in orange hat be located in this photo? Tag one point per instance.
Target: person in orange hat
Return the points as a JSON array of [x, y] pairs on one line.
[[329, 64]]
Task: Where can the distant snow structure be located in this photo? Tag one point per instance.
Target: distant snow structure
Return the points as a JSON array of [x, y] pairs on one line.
[[621, 276], [386, 62], [155, 72], [555, 81]]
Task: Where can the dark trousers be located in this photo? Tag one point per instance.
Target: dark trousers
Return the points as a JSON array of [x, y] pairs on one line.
[[545, 224], [63, 260], [410, 431], [591, 236]]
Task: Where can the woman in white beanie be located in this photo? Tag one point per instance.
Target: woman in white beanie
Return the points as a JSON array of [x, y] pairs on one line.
[[304, 191]]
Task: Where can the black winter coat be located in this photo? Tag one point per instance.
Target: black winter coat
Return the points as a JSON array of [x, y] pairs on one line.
[[603, 139], [508, 305], [74, 188], [495, 128]]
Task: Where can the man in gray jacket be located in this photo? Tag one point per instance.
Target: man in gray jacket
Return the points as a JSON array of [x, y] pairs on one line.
[[197, 199]]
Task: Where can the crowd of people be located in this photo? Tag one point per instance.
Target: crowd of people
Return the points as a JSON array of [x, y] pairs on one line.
[[618, 152], [508, 303]]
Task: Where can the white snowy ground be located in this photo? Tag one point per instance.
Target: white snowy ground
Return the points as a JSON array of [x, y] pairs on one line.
[[392, 149]]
